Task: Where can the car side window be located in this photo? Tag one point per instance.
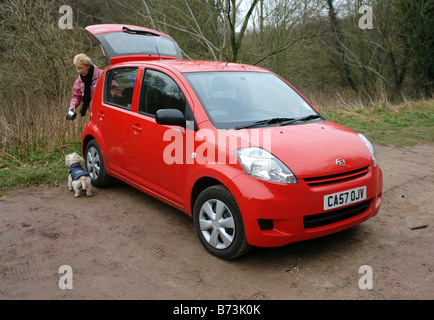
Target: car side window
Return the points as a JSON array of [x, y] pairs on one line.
[[119, 87], [159, 91]]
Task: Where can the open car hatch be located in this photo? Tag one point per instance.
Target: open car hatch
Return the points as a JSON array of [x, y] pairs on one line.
[[131, 43]]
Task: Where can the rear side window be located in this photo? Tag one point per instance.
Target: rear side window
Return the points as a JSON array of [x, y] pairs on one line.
[[159, 91], [119, 87]]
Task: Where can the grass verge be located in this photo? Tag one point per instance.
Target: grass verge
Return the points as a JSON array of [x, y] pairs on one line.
[[406, 124], [37, 168]]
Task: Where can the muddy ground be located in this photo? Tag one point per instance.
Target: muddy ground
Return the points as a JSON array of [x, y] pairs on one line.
[[123, 244]]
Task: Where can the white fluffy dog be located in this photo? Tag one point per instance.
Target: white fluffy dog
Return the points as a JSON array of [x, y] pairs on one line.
[[78, 178]]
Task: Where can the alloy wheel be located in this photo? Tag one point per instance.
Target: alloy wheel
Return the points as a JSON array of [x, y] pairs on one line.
[[93, 163], [217, 224]]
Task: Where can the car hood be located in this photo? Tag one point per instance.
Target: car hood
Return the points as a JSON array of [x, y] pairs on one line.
[[311, 150]]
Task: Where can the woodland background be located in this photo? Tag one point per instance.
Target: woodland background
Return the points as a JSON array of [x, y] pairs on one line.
[[315, 44]]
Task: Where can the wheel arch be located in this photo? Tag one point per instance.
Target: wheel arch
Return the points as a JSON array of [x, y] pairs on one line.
[[200, 185], [85, 142]]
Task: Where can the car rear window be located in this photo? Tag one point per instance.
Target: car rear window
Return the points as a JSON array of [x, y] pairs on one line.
[[119, 87], [121, 44]]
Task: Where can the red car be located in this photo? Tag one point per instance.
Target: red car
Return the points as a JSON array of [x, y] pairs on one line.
[[232, 145]]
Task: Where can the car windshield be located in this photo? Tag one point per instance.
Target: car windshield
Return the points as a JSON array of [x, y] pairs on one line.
[[236, 100]]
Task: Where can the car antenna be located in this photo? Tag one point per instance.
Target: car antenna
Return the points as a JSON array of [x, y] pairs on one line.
[[159, 56]]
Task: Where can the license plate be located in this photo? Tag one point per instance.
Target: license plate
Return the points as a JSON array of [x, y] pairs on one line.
[[344, 198]]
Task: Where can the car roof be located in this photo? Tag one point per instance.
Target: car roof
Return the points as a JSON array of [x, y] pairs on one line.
[[187, 66]]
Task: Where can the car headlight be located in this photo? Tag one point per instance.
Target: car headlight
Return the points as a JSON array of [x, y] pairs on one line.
[[370, 147], [262, 164]]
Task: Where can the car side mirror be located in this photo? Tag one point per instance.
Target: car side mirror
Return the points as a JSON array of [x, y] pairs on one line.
[[172, 117]]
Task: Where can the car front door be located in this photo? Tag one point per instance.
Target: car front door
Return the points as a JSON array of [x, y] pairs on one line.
[[154, 164]]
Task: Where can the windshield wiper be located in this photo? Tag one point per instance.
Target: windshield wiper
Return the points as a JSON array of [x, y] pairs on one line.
[[310, 117], [280, 121], [142, 32], [266, 122]]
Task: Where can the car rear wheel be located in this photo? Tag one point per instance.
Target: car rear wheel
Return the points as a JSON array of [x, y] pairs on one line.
[[95, 165], [218, 223]]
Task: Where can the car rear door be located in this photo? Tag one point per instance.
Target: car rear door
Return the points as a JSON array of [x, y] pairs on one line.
[[114, 117]]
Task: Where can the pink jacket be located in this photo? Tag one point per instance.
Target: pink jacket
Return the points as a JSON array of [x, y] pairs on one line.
[[78, 88]]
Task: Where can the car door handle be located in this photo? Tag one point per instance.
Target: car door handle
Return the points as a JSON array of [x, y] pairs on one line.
[[137, 129], [101, 115]]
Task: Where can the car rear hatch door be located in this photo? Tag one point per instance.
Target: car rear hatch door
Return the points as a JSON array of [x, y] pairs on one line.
[[131, 43]]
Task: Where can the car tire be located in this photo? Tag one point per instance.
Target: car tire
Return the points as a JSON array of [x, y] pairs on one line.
[[218, 223], [95, 165]]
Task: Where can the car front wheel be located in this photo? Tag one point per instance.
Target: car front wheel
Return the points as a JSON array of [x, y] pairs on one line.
[[218, 223]]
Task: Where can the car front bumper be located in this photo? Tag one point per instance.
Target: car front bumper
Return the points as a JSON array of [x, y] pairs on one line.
[[278, 214]]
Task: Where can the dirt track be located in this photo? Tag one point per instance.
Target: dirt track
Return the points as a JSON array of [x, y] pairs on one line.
[[122, 244]]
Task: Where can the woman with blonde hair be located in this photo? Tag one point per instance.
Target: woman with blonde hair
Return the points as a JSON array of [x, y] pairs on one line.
[[84, 86]]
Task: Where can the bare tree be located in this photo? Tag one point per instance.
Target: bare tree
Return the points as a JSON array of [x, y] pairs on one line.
[[218, 26], [373, 61], [339, 45]]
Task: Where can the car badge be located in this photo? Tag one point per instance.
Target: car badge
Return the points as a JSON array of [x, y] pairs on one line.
[[340, 162]]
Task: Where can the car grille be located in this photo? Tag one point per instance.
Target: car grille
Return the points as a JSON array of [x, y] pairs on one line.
[[318, 181], [322, 219]]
